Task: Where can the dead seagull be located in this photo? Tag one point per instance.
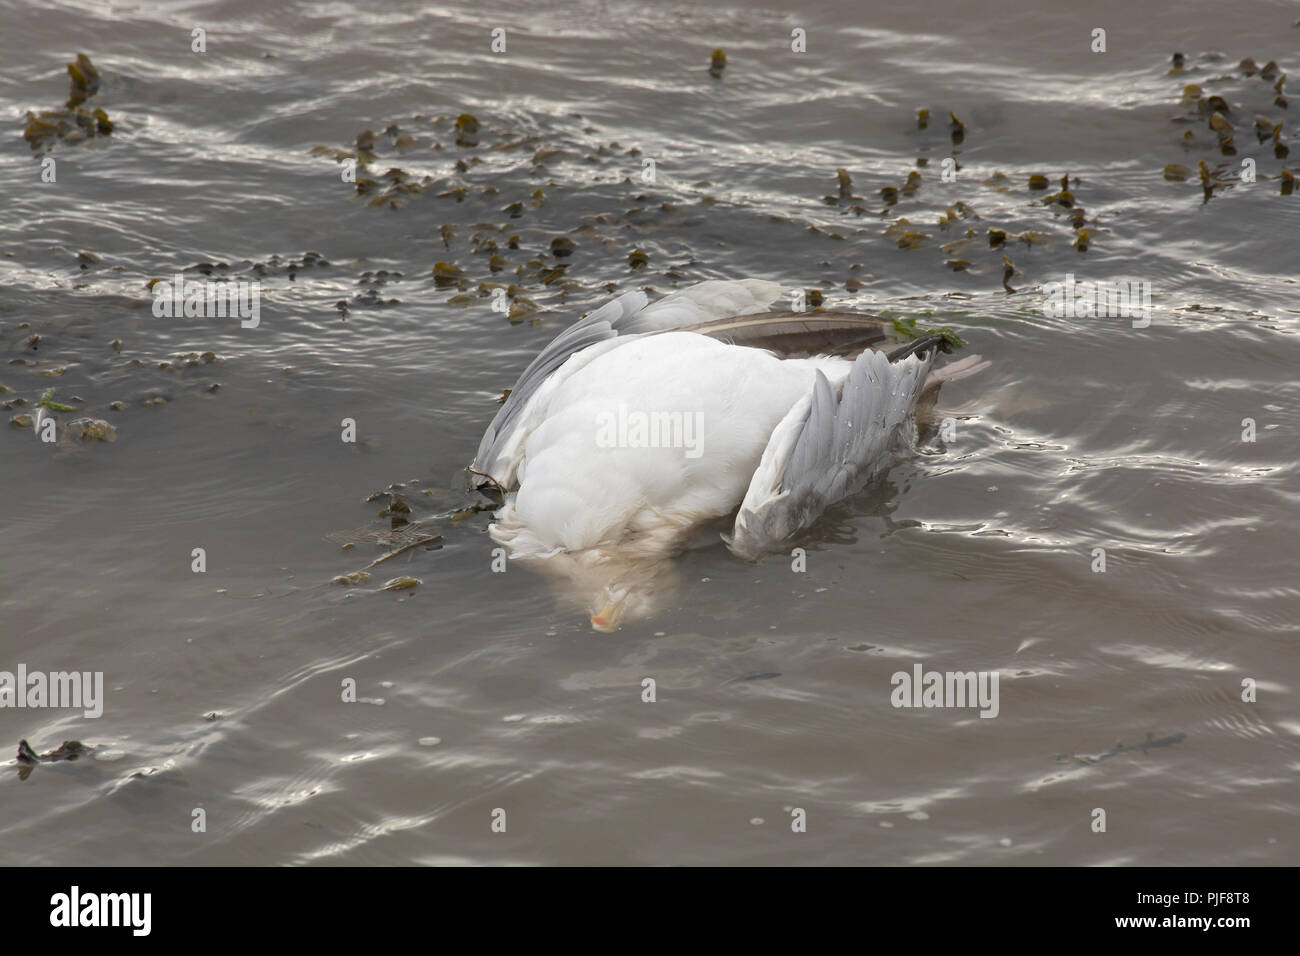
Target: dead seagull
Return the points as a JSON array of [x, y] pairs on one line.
[[644, 424]]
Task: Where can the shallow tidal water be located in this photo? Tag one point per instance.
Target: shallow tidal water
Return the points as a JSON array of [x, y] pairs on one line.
[[479, 691]]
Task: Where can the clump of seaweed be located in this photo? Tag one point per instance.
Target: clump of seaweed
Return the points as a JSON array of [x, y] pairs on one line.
[[845, 182], [403, 583], [404, 536], [907, 328], [390, 188], [90, 429], [370, 297], [74, 123], [467, 130], [47, 401], [28, 758], [1224, 119], [446, 275], [906, 237], [85, 80], [717, 63], [958, 129]]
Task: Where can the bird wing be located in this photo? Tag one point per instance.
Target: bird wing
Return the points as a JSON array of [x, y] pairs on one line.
[[601, 325], [501, 448], [830, 444], [799, 334]]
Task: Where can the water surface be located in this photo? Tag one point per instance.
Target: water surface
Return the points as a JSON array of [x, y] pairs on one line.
[[477, 691]]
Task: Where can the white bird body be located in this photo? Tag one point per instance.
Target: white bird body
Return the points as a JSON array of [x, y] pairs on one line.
[[617, 450], [629, 491]]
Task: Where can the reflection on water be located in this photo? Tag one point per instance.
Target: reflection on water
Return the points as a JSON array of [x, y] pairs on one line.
[[337, 154]]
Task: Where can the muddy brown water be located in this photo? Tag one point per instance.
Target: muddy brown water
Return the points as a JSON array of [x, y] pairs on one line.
[[476, 691]]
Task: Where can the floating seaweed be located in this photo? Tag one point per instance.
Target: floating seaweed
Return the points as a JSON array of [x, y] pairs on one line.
[[85, 80], [466, 130], [1119, 748], [91, 429], [73, 123], [999, 181], [403, 583], [717, 63], [845, 183], [907, 328], [445, 274], [521, 307], [353, 578], [958, 129], [28, 758], [1008, 270], [47, 401], [1217, 113]]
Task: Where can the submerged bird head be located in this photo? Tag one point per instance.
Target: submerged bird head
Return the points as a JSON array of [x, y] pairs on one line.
[[631, 593], [607, 609], [613, 588]]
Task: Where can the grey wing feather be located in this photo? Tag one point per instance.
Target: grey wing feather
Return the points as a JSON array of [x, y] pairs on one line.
[[799, 334], [609, 321], [828, 446], [556, 353]]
